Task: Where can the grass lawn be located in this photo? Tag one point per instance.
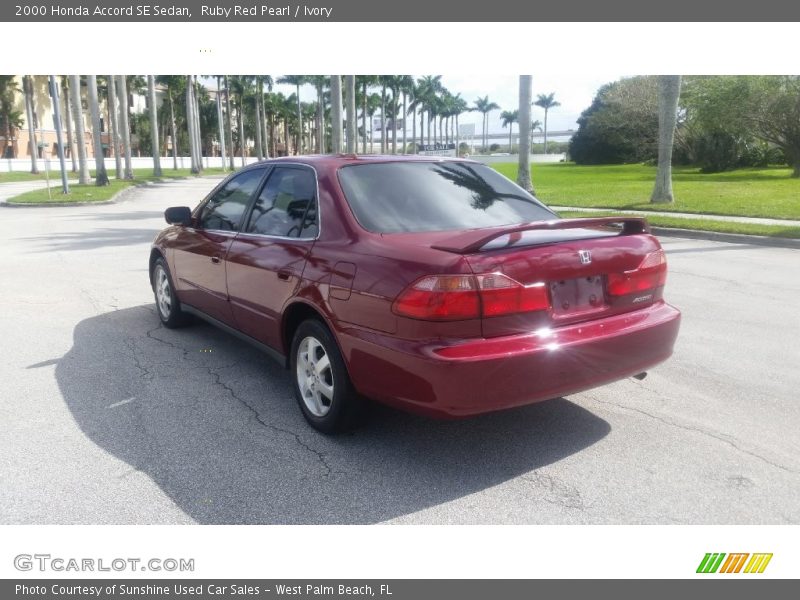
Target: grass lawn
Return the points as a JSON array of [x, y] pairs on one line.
[[16, 176], [700, 224], [767, 192], [93, 193]]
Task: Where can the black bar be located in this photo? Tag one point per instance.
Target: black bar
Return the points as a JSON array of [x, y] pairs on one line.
[[497, 11]]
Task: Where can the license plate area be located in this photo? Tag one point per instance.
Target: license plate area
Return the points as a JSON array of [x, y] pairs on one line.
[[572, 297]]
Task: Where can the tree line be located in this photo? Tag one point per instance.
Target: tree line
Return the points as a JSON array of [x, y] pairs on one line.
[[722, 123]]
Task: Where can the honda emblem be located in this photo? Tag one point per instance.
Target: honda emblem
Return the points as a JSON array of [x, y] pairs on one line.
[[586, 256]]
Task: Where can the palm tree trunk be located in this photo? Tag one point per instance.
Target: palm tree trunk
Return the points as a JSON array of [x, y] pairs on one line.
[[414, 129], [68, 118], [151, 92], [383, 120], [259, 148], [320, 119], [350, 97], [545, 130], [221, 124], [457, 135], [240, 114], [364, 122], [263, 117], [394, 122], [174, 129], [524, 164], [112, 116], [190, 124], [198, 131], [101, 177], [59, 134], [405, 113], [336, 113], [299, 148], [669, 90], [125, 130], [229, 124], [27, 86], [80, 134]]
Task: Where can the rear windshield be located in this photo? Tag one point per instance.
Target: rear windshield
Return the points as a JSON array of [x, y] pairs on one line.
[[435, 196]]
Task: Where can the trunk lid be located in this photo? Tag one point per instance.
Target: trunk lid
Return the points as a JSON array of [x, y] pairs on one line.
[[576, 259]]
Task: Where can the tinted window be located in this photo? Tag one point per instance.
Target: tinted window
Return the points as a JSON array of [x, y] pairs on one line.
[[225, 208], [435, 196], [287, 204]]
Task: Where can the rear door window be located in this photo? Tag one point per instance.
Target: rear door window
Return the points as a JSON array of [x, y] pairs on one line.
[[436, 196], [287, 204]]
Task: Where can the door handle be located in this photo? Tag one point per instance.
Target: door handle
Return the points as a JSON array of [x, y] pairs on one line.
[[215, 260], [284, 274]]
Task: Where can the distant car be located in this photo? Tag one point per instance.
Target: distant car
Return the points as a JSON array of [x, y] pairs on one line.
[[435, 285], [500, 154]]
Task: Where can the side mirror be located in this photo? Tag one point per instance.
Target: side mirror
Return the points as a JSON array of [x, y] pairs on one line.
[[178, 215]]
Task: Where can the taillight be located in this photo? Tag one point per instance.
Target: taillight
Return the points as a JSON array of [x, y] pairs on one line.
[[458, 297], [501, 295], [651, 273], [440, 298]]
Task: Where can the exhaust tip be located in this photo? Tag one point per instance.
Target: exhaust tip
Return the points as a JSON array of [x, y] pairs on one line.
[[640, 376]]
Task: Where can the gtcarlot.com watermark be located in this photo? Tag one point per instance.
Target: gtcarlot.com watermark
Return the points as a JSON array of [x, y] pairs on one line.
[[59, 564]]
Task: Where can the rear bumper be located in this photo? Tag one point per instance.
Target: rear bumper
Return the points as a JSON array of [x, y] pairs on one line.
[[483, 375]]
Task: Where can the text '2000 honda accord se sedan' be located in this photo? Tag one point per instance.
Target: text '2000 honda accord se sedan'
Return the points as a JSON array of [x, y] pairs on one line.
[[430, 284]]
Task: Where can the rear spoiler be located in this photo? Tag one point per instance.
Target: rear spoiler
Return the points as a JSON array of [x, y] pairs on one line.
[[475, 240]]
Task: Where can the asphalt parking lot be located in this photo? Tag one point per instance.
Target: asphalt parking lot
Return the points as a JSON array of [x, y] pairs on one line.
[[109, 418]]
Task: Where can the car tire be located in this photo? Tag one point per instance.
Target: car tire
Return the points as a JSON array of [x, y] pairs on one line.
[[322, 387], [168, 306]]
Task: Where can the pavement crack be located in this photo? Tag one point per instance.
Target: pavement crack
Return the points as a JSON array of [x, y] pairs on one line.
[[320, 456], [719, 437], [149, 334], [144, 371]]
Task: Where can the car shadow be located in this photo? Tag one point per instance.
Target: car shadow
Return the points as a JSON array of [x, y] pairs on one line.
[[214, 424]]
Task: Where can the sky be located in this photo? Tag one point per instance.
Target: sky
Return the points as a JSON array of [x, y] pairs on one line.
[[574, 92]]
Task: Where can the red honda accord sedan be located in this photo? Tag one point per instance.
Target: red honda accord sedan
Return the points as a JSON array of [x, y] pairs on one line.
[[431, 284]]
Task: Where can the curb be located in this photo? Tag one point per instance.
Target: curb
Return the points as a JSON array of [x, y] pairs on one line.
[[731, 238], [116, 198]]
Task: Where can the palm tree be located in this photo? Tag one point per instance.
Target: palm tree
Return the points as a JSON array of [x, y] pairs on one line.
[[297, 81], [151, 94], [546, 101], [73, 151], [264, 80], [191, 126], [460, 106], [228, 122], [508, 118], [10, 117], [524, 116], [336, 113], [125, 130], [485, 106], [535, 126], [407, 88], [77, 116], [221, 123], [350, 108], [319, 82], [112, 117], [27, 86], [373, 104], [669, 90], [101, 177], [365, 82], [59, 133]]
